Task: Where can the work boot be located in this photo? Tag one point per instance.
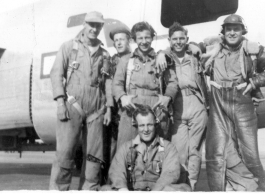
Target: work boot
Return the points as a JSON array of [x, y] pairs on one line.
[[216, 174]]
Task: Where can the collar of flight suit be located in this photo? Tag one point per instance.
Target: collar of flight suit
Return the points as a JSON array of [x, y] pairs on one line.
[[80, 38], [150, 56], [157, 141], [225, 50], [187, 55]]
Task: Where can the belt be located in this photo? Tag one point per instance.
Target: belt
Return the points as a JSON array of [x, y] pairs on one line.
[[238, 87]]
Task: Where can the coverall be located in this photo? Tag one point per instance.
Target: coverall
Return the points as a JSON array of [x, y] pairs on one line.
[[190, 113], [144, 83], [232, 158], [87, 85], [141, 168]]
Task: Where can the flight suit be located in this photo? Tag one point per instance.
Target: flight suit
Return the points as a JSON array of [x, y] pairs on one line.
[[232, 158], [144, 83], [190, 112], [88, 86], [141, 168]]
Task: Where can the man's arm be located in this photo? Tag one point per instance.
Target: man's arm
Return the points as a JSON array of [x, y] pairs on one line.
[[117, 171], [59, 69], [170, 168]]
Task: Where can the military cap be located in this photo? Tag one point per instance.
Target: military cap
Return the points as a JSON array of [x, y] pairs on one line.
[[119, 29], [94, 17], [234, 19]]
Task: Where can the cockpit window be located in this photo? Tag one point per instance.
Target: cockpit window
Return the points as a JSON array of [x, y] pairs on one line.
[[76, 20], [195, 11]]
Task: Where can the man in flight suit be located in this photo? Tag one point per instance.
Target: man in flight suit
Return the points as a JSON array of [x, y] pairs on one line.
[[147, 162], [236, 69], [80, 88], [189, 107], [120, 36], [137, 81]]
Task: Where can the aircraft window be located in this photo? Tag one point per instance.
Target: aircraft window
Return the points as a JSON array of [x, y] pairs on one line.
[[76, 20], [1, 52], [195, 11], [47, 60]]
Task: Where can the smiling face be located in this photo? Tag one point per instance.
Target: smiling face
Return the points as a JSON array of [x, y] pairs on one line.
[[146, 128], [121, 42], [92, 29], [144, 40], [178, 41], [233, 34]]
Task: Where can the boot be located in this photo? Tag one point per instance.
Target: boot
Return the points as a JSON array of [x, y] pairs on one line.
[[216, 174]]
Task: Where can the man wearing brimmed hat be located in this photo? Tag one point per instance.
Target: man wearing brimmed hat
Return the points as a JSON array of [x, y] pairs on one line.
[[83, 104], [235, 68]]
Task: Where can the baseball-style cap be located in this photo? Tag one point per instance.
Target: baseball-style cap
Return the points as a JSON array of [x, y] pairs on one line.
[[119, 29], [94, 17]]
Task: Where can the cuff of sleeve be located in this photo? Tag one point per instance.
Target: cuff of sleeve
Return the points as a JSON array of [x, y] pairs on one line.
[[58, 92], [171, 95], [110, 102]]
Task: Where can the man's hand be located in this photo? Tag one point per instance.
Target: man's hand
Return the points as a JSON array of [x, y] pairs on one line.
[[107, 117], [162, 101], [161, 62], [62, 111], [248, 89], [256, 101], [126, 101]]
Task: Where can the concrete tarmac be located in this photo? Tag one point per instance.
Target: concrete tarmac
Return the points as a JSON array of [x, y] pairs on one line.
[[32, 171]]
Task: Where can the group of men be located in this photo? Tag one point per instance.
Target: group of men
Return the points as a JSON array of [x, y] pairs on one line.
[[159, 103]]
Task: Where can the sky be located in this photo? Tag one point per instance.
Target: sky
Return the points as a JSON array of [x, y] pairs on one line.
[[6, 5]]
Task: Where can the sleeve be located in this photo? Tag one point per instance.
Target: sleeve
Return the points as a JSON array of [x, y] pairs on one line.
[[117, 171], [171, 81], [119, 80], [59, 69], [259, 79], [170, 169]]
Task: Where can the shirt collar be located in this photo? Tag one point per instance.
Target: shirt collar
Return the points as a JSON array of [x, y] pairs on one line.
[[137, 141], [151, 54], [80, 38]]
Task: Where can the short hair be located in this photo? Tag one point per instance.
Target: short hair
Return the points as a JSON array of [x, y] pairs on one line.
[[141, 26], [143, 110], [176, 27]]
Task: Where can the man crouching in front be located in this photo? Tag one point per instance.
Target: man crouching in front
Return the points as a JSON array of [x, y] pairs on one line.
[[148, 162]]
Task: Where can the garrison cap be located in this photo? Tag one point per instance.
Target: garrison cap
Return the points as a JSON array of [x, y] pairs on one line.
[[119, 29], [94, 17]]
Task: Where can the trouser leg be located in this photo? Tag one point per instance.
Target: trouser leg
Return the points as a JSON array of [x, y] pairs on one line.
[[126, 131], [93, 155], [67, 138], [246, 128], [177, 187], [239, 178], [179, 137], [196, 130]]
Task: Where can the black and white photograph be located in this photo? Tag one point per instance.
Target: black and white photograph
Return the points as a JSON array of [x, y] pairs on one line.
[[132, 95]]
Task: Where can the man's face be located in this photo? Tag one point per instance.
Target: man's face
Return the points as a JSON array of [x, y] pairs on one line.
[[233, 34], [92, 29], [178, 41], [146, 127], [121, 42], [144, 40]]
